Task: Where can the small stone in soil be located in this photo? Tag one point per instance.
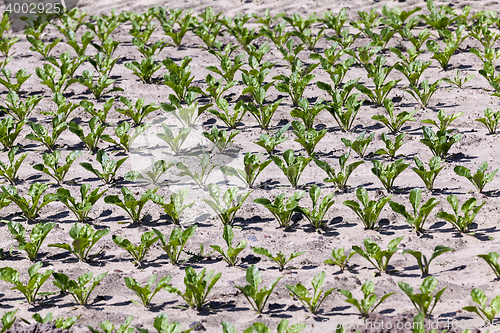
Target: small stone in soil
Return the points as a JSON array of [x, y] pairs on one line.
[[252, 238]]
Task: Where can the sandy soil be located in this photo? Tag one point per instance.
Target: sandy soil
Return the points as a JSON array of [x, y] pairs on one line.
[[460, 271]]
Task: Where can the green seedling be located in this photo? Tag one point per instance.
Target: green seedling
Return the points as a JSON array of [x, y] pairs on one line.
[[48, 75], [394, 122], [20, 76], [9, 131], [71, 22], [103, 64], [461, 222], [422, 261], [217, 88], [443, 57], [489, 56], [490, 120], [369, 303], [257, 297], [17, 108], [396, 18], [91, 140], [428, 176], [231, 255], [487, 313], [292, 166], [51, 165], [184, 24], [175, 206], [382, 39], [107, 327], [280, 259], [220, 138], [458, 81], [424, 91], [290, 52], [145, 69], [381, 90], [492, 260], [98, 88], [439, 142], [345, 39], [198, 287], [391, 148], [9, 171], [41, 134], [163, 325], [209, 28], [130, 204], [340, 259], [61, 322], [108, 47], [444, 121], [176, 242], [39, 46], [103, 26], [377, 257], [369, 210], [413, 70], [231, 202], [488, 72], [147, 292], [108, 166], [478, 179], [32, 287], [153, 174], [228, 66], [387, 174], [331, 57], [32, 206], [62, 107], [8, 319], [281, 209], [125, 139], [6, 44], [262, 113], [420, 212], [80, 288], [230, 119], [138, 252], [84, 238], [425, 302], [37, 236], [302, 29], [307, 138], [306, 113], [252, 169], [295, 84], [138, 111], [148, 51], [179, 79], [360, 145], [174, 142], [317, 213], [335, 22], [86, 39], [269, 143], [344, 111], [312, 302], [186, 115], [200, 176], [89, 107]]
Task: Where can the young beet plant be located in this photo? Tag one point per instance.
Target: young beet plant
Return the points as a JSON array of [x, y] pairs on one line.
[[340, 259], [41, 134], [84, 238], [98, 88], [32, 206], [369, 210], [292, 166], [281, 209], [369, 303], [391, 147], [37, 236], [311, 302], [252, 169], [257, 297], [269, 143], [394, 122], [176, 242], [198, 286], [387, 173], [487, 313], [125, 139], [425, 302], [480, 178], [9, 131], [231, 255], [80, 288], [138, 252], [90, 140], [420, 212], [108, 166], [151, 175], [35, 280], [231, 202], [316, 214], [428, 176], [360, 145], [492, 260], [490, 120], [9, 171], [461, 222], [375, 255], [130, 204], [422, 261], [339, 178], [279, 258], [18, 108], [51, 165], [175, 206], [174, 141], [307, 138], [147, 292], [136, 111]]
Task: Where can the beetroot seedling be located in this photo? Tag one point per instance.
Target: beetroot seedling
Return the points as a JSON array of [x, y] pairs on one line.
[[9, 171], [339, 178], [422, 261], [375, 255], [257, 297], [130, 204], [369, 303], [231, 255], [281, 209], [137, 252], [369, 210], [425, 302], [147, 292], [340, 259], [420, 212], [478, 179], [53, 169], [36, 238], [311, 301], [32, 287], [469, 209], [176, 242]]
